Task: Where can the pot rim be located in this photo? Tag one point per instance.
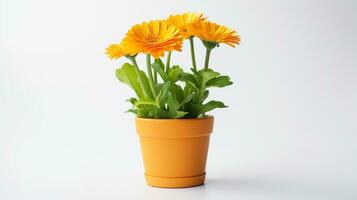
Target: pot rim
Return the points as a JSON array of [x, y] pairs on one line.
[[184, 119]]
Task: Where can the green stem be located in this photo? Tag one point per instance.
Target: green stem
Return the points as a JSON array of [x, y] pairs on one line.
[[208, 53], [141, 81], [155, 76], [151, 80], [193, 53], [168, 62]]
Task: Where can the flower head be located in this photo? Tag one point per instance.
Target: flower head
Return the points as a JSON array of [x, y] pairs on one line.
[[182, 21], [154, 37], [212, 34], [115, 51]]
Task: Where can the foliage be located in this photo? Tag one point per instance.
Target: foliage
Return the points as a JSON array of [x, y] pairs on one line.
[[181, 94]]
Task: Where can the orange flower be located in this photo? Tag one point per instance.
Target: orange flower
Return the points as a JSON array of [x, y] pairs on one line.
[[212, 33], [182, 21], [115, 51], [154, 37]]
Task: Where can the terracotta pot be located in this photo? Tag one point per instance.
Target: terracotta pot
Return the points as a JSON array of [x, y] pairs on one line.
[[174, 150]]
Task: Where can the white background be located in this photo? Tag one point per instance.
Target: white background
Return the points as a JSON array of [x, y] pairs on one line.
[[289, 133]]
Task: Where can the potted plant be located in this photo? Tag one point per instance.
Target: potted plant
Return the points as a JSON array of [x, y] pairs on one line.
[[170, 102]]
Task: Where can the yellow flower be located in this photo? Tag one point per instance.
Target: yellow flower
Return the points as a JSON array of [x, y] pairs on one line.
[[211, 33], [154, 37], [182, 21], [115, 51]]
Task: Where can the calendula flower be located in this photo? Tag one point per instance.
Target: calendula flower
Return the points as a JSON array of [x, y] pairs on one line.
[[154, 37], [182, 21], [212, 34], [115, 51]]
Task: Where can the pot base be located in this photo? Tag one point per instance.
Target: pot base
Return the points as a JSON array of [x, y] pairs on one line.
[[183, 182]]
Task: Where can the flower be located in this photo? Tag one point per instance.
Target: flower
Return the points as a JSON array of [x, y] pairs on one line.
[[212, 34], [115, 51], [182, 21], [153, 37]]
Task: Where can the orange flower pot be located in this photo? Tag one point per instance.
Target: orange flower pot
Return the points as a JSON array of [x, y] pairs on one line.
[[174, 150]]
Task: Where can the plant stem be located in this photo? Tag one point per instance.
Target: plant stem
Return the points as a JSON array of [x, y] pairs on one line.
[[208, 53], [168, 62], [193, 53], [151, 81], [155, 76], [141, 81]]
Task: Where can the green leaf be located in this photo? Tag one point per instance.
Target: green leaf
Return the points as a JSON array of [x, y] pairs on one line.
[[158, 66], [198, 109], [177, 92], [180, 114], [147, 111], [173, 107], [187, 90], [146, 84], [159, 61], [131, 111], [127, 75], [175, 73], [205, 95], [186, 77], [191, 89], [186, 100], [193, 86], [208, 75], [163, 94], [211, 105], [220, 81], [194, 71], [132, 100], [144, 102]]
